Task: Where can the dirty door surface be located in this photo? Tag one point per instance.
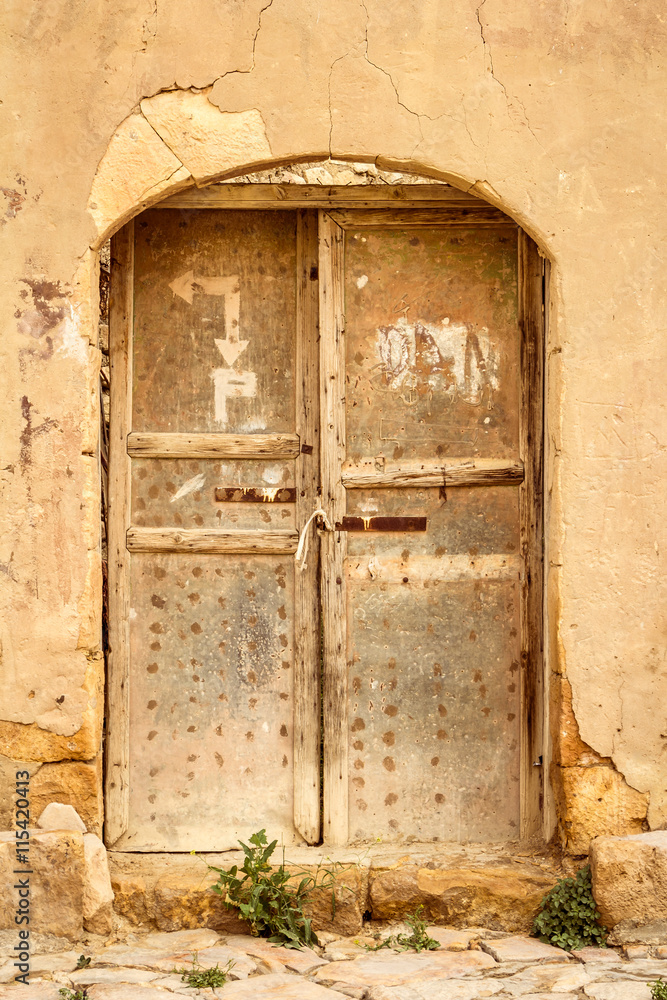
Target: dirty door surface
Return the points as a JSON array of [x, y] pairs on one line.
[[431, 355], [211, 616]]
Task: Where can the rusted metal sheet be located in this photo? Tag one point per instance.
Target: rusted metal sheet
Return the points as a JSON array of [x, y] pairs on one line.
[[432, 345], [434, 710], [252, 494], [214, 335], [398, 523], [211, 701]]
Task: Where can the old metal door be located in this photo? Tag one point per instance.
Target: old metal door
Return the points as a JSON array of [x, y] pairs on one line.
[[412, 419], [430, 402]]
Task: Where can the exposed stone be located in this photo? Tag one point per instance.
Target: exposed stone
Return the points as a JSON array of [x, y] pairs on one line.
[[350, 888], [182, 901], [569, 750], [618, 991], [448, 989], [176, 940], [65, 961], [86, 977], [636, 932], [635, 951], [590, 954], [302, 961], [130, 898], [244, 964], [61, 817], [630, 878], [38, 991], [206, 140], [340, 951], [396, 970], [142, 169], [97, 891], [523, 949], [499, 897], [74, 783], [453, 940], [28, 741], [56, 882], [108, 991], [597, 801], [547, 978], [281, 986]]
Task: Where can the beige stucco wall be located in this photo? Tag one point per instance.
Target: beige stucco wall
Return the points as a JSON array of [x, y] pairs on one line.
[[551, 111]]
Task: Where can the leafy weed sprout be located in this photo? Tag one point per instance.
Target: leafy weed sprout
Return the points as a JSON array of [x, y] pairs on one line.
[[68, 994], [659, 989], [269, 898], [200, 978], [569, 917], [417, 940]]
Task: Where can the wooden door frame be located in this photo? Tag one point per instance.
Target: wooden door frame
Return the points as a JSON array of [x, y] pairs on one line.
[[414, 206]]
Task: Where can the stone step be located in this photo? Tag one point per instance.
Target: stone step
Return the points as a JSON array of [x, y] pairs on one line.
[[494, 886]]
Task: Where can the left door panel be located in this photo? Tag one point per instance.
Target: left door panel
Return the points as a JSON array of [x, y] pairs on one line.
[[205, 519]]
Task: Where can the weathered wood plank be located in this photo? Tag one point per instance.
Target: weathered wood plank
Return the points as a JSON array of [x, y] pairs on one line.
[[306, 590], [417, 218], [147, 445], [455, 472], [334, 544], [210, 540], [531, 321], [290, 196], [400, 523], [120, 420]]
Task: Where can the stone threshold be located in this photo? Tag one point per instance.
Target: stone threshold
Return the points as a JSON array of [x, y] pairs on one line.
[[482, 885]]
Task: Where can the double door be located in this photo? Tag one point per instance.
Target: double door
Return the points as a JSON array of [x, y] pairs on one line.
[[379, 367]]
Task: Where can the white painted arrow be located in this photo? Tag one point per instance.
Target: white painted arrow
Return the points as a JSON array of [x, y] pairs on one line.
[[228, 285]]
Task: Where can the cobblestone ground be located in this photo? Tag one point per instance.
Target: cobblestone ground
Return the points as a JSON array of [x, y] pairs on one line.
[[469, 965]]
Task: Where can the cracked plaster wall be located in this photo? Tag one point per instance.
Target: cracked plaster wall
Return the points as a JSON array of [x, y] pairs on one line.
[[550, 111]]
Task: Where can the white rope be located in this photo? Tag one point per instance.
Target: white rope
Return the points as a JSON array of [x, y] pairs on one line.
[[302, 547]]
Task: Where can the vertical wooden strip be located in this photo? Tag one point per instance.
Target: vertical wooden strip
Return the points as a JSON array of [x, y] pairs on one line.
[[120, 419], [531, 319], [334, 544], [306, 604]]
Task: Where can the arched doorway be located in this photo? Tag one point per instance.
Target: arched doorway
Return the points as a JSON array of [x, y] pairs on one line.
[[374, 353]]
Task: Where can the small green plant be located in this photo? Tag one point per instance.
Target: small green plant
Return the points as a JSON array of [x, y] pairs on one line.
[[416, 940], [83, 962], [269, 898], [569, 917], [659, 989], [74, 994], [200, 978]]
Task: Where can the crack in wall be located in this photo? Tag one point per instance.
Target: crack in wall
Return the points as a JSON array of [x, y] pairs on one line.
[[244, 72], [510, 101]]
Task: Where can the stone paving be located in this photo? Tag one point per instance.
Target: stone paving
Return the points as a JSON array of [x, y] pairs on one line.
[[471, 964]]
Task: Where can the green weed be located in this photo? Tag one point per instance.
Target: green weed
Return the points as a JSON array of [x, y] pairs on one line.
[[83, 962], [269, 898], [68, 994], [659, 989], [200, 978], [569, 917], [417, 940]]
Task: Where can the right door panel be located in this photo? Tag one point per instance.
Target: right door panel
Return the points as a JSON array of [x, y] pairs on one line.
[[432, 350]]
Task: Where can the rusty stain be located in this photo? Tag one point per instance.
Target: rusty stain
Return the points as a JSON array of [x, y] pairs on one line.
[[251, 494], [379, 523]]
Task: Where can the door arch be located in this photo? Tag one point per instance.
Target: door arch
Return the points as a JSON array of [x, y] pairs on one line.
[[447, 360]]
